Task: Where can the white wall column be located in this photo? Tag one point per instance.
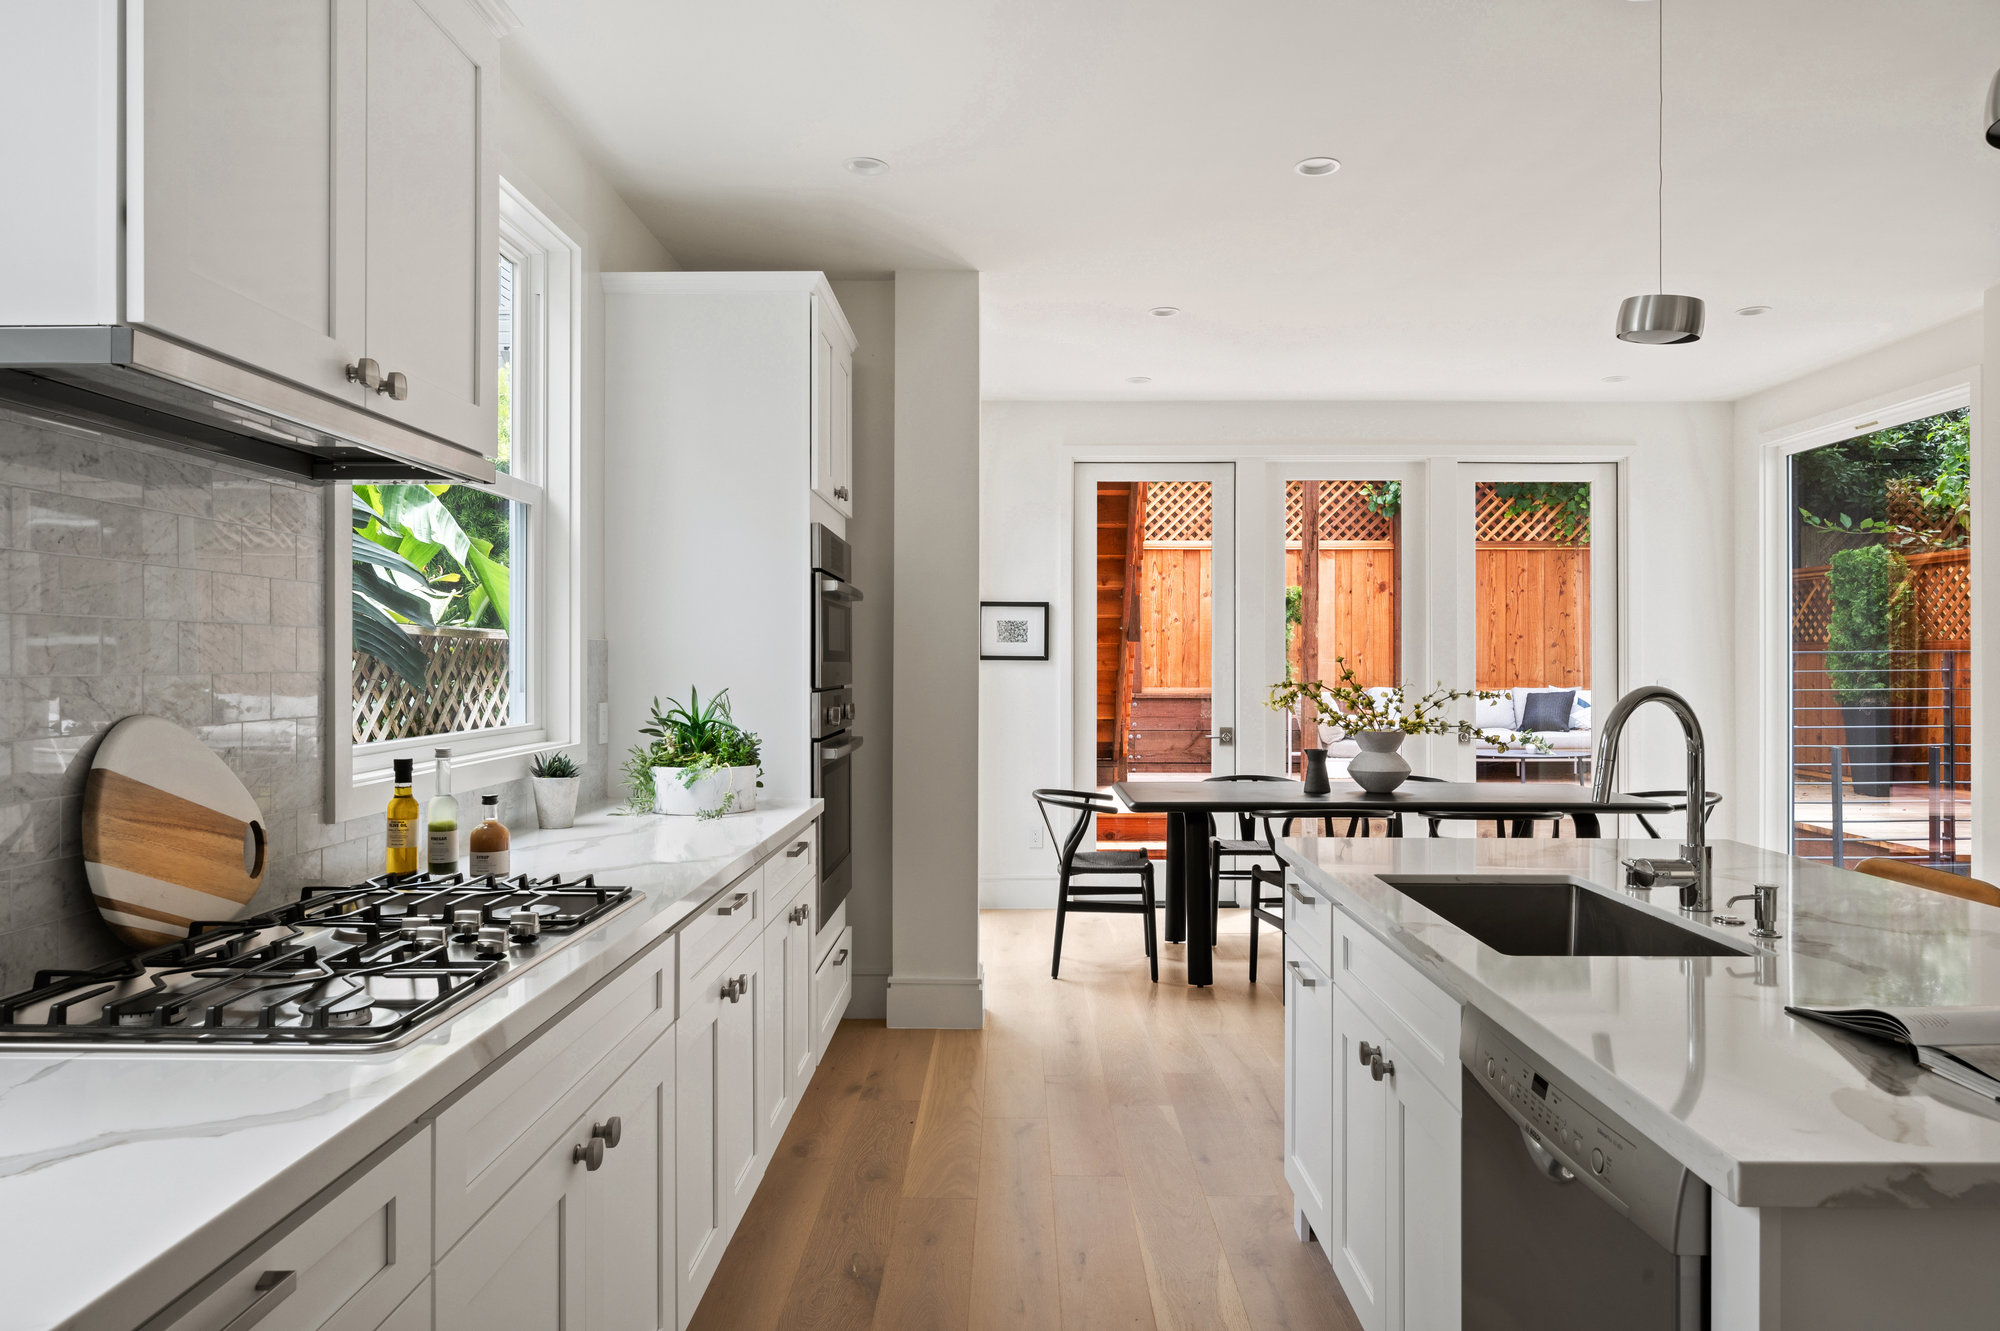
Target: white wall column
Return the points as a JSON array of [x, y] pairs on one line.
[[1985, 590], [935, 980]]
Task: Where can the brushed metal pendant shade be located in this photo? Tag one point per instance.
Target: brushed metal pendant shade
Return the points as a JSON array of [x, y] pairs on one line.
[[1661, 320], [1993, 114]]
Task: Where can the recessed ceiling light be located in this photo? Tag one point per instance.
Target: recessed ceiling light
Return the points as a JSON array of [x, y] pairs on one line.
[[1164, 311], [866, 166], [1139, 379], [1317, 166], [1614, 378], [1752, 311]]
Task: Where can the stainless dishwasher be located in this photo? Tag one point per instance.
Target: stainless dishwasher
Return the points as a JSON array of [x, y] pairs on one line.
[[1570, 1218]]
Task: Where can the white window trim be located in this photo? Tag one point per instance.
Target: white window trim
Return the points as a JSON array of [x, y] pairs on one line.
[[1773, 786], [358, 779]]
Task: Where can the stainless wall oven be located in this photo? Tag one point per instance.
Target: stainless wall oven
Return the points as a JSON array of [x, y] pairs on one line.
[[834, 743], [833, 601]]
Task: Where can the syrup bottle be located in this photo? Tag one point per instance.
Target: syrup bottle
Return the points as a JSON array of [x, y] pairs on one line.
[[488, 841]]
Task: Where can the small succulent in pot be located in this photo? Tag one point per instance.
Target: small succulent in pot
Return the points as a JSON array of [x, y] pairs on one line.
[[556, 779]]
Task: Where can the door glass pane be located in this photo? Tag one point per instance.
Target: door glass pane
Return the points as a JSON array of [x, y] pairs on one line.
[[1531, 565], [1155, 561], [1881, 646], [1342, 577]]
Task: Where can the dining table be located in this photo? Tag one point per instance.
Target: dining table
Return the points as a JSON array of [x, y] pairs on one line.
[[1190, 805]]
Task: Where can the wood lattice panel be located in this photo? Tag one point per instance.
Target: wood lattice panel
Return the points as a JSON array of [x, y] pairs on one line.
[[1180, 512], [466, 688], [1812, 607], [1495, 522], [1344, 514], [1941, 588]]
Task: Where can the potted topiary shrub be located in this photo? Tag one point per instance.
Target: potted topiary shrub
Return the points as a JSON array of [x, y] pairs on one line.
[[1870, 591], [697, 760], [556, 779]]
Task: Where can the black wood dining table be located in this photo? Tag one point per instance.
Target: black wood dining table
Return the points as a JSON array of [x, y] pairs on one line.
[[1190, 804]]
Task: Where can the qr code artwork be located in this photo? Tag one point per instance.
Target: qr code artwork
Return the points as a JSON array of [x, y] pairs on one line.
[[1011, 630]]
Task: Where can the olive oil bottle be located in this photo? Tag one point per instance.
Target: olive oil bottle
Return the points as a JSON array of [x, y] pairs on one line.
[[402, 853], [488, 841], [441, 852]]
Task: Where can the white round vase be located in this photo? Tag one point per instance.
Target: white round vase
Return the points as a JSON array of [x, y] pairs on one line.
[[1379, 768], [727, 790]]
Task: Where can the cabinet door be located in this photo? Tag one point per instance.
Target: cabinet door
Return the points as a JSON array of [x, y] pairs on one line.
[[1360, 1241], [1423, 1205], [522, 1267], [742, 1141], [801, 1050], [414, 1314], [433, 201], [842, 427], [1309, 1102], [701, 1216], [823, 462], [776, 1086], [631, 1200], [245, 196]]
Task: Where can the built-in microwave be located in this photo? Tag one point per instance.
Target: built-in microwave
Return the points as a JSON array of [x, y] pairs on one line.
[[833, 600]]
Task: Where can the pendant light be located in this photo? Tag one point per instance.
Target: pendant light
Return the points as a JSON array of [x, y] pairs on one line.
[[1661, 320], [1993, 114]]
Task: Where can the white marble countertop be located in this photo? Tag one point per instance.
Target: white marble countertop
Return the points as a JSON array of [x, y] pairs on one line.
[[1699, 1054], [126, 1177]]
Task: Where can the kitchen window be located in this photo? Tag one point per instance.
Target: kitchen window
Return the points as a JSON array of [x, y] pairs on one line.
[[456, 610]]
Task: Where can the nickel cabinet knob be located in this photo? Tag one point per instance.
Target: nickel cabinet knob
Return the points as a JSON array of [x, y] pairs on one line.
[[1380, 1067], [590, 1155], [366, 373], [1369, 1053], [611, 1131], [396, 386]]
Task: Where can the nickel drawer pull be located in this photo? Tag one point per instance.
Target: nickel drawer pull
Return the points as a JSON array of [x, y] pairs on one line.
[[273, 1288], [840, 956], [1300, 895], [798, 850], [735, 904], [1305, 980]]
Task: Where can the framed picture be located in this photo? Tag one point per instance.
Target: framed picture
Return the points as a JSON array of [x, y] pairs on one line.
[[1013, 630]]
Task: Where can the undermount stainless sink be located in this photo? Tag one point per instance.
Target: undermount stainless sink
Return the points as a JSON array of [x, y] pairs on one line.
[[1547, 916]]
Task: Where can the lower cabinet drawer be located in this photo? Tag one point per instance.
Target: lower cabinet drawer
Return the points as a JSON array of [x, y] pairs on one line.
[[833, 985], [488, 1139], [797, 861], [1309, 924], [348, 1266], [721, 926], [1417, 1015]]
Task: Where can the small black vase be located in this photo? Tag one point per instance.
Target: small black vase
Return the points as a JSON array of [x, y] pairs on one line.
[[1316, 778]]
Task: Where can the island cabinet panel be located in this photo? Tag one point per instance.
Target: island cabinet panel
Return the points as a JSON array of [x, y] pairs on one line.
[[1424, 1230], [1358, 1243], [345, 1267], [495, 1132], [1309, 1104], [578, 1240]]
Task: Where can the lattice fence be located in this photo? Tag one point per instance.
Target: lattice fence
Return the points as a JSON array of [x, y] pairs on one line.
[[1344, 514], [466, 688], [1180, 512], [1941, 586], [1496, 522]]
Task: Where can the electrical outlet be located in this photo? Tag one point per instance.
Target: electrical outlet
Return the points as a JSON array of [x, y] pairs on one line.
[[1034, 838], [604, 723]]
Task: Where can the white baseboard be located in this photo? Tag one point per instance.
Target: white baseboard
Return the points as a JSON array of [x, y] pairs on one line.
[[936, 1002], [870, 999], [1022, 891]]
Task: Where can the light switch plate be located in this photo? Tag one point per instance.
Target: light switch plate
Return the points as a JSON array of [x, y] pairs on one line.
[[604, 723]]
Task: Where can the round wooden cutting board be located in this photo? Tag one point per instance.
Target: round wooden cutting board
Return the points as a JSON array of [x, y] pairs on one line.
[[169, 834]]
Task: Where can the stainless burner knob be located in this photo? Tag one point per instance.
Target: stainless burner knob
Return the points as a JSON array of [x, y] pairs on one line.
[[467, 921], [429, 934], [525, 925], [492, 941]]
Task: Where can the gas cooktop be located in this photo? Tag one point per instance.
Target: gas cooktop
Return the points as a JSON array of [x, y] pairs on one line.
[[370, 966]]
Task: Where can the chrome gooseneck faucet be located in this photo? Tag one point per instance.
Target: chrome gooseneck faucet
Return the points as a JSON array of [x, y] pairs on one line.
[[1691, 873]]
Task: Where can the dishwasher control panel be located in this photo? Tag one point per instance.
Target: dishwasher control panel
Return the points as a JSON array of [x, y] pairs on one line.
[[1575, 1139]]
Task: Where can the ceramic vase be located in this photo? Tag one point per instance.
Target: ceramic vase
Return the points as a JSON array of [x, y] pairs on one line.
[[1380, 766], [555, 800], [1316, 782]]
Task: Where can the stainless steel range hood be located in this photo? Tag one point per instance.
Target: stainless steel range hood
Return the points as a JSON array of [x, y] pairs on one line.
[[131, 382]]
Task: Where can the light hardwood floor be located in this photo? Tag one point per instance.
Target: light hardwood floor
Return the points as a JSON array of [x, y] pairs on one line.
[[1106, 1153]]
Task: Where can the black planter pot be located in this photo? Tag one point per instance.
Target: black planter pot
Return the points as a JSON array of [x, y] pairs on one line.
[[1870, 749]]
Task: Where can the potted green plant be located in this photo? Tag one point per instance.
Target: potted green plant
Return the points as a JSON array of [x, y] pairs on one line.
[[697, 760], [555, 778], [1870, 591], [1377, 720]]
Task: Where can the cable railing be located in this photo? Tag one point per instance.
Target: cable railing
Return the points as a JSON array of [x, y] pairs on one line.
[[1883, 778]]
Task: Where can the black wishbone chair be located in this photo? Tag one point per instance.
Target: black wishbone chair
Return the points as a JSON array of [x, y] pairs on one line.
[[1073, 863], [1246, 844]]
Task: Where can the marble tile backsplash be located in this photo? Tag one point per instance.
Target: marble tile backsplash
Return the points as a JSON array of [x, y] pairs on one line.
[[134, 578]]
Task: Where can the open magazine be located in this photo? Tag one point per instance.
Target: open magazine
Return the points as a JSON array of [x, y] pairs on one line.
[[1960, 1044]]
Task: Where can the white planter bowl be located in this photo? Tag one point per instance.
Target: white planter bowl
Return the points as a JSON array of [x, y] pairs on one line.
[[708, 795], [555, 800]]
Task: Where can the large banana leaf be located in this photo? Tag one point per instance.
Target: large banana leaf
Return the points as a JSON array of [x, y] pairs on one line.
[[379, 636]]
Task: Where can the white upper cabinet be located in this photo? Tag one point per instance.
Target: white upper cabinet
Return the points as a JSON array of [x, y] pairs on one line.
[[833, 408], [245, 170], [308, 186], [433, 217]]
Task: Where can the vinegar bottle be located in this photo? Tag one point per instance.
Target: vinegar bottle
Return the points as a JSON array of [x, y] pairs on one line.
[[402, 853], [441, 855]]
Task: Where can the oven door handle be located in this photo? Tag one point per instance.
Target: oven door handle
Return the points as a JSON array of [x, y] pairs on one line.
[[831, 752], [833, 589]]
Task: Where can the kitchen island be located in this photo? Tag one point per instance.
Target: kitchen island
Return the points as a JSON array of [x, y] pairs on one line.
[[144, 1187], [1849, 1188]]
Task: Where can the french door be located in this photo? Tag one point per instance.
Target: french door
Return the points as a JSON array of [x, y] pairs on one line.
[[1155, 625]]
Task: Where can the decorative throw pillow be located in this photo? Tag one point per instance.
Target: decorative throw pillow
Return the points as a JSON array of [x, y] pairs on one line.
[[1548, 710]]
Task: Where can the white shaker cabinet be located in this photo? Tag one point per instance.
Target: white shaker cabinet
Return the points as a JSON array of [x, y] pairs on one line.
[[785, 1044], [716, 1121], [1309, 1082], [833, 414], [1358, 1237]]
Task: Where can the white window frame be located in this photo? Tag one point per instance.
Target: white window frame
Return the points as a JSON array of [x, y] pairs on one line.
[[548, 604]]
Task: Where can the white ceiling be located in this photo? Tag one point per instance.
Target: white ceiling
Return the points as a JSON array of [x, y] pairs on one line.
[[1095, 158]]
